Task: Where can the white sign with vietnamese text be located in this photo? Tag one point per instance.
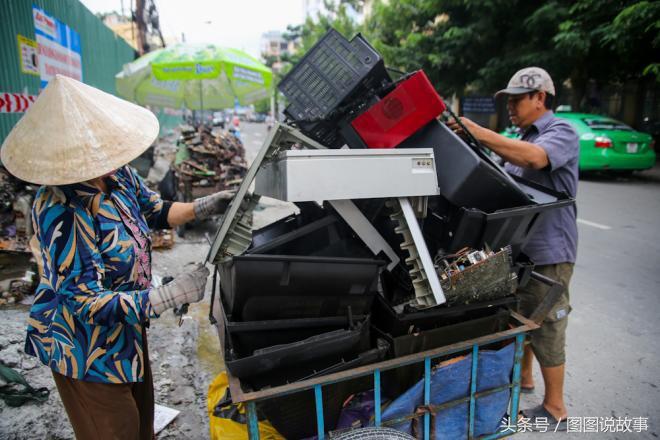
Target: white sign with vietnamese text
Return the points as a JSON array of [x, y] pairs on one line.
[[59, 48]]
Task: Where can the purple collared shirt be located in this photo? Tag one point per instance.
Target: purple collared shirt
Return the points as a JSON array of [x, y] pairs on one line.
[[555, 239]]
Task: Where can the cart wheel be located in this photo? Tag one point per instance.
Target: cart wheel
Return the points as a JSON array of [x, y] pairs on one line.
[[374, 434]]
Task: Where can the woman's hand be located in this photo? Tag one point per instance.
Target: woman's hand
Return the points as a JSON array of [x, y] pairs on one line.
[[200, 209], [185, 289], [214, 204]]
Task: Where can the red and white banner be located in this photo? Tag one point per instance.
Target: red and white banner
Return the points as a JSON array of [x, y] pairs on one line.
[[15, 102]]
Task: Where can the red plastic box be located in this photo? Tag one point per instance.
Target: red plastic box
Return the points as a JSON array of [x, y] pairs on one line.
[[410, 106]]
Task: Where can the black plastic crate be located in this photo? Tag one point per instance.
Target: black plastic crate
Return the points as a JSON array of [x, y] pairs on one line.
[[309, 213], [261, 287], [299, 358], [395, 324], [327, 74], [395, 382], [246, 337], [327, 236], [452, 228]]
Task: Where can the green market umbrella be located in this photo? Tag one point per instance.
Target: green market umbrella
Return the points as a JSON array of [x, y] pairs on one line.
[[196, 77]]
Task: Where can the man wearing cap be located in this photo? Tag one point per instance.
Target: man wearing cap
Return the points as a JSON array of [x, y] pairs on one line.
[[91, 220], [547, 153]]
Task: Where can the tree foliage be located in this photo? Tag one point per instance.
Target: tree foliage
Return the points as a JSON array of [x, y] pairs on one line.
[[476, 46], [467, 46]]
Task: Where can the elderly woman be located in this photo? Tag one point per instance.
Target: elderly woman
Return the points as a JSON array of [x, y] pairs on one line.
[[92, 219]]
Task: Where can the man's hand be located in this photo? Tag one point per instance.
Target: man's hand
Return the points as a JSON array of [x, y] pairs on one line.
[[477, 131]]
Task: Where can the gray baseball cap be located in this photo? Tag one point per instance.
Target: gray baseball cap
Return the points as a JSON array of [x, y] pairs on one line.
[[529, 79]]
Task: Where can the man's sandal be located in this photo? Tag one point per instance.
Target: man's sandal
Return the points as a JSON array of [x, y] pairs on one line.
[[539, 416]]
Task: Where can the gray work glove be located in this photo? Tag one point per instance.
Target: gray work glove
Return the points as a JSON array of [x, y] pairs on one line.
[[214, 204], [185, 289]]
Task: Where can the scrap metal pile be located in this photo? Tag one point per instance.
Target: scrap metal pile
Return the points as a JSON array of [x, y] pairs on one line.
[[209, 160], [406, 241], [18, 271]]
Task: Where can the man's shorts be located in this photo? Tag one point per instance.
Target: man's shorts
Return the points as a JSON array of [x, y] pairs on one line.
[[549, 341]]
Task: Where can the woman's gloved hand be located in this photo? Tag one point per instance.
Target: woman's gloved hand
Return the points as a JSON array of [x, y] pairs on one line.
[[184, 289], [214, 204]]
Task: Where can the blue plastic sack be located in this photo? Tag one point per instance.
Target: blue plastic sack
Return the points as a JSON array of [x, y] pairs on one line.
[[451, 382]]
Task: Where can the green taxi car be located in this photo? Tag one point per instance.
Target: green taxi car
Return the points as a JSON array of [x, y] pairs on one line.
[[607, 144]]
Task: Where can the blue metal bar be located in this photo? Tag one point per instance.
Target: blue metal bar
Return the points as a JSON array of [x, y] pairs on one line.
[[253, 421], [320, 429], [427, 397], [377, 397], [434, 409], [473, 390], [517, 366]]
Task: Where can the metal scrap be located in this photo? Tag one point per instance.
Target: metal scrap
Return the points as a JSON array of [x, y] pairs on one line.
[[209, 160], [472, 275], [16, 199]]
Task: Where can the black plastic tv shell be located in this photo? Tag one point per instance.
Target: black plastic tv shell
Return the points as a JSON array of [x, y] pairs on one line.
[[452, 228], [257, 287], [321, 350], [333, 79], [327, 74]]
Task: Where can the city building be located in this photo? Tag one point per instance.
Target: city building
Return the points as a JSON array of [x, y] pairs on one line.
[[274, 47]]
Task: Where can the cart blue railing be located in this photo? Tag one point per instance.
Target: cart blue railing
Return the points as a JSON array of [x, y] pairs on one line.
[[517, 333]]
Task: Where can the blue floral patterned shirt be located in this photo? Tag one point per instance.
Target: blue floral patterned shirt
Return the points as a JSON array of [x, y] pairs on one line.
[[90, 309]]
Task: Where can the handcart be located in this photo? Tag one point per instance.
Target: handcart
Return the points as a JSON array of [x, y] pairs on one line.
[[519, 327]]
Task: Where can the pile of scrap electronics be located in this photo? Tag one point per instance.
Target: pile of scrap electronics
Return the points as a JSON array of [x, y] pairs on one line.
[[209, 159], [18, 270], [407, 240]]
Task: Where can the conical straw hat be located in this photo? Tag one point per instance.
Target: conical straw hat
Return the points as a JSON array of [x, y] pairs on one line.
[[74, 132]]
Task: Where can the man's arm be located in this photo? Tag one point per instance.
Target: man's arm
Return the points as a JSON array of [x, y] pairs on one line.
[[517, 152]]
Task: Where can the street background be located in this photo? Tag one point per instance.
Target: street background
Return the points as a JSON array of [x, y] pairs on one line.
[[602, 55]]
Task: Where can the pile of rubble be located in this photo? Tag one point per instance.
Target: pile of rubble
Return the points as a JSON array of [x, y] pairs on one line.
[[209, 160], [17, 268]]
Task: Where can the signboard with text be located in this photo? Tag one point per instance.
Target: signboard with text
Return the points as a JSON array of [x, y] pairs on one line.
[[478, 104], [59, 48], [28, 51]]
